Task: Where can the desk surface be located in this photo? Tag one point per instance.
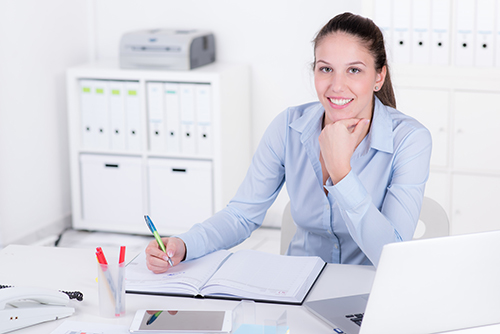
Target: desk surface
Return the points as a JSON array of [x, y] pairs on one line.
[[76, 269]]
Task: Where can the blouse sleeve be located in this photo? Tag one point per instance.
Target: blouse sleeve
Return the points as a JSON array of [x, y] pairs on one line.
[[396, 220]]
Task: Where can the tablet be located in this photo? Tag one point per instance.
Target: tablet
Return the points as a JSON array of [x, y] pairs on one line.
[[181, 321]]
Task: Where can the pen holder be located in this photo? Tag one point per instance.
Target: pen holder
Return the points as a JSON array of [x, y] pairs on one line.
[[111, 286]]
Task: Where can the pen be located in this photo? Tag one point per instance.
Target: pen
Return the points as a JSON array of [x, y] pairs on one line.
[[153, 230], [153, 318], [121, 271]]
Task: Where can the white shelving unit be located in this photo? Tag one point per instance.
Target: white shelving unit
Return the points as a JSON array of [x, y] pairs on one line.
[[113, 188], [461, 108]]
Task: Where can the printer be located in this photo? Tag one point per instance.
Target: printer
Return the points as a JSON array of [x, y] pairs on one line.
[[167, 49]]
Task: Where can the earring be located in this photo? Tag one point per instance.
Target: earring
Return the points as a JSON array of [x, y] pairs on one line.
[[376, 88]]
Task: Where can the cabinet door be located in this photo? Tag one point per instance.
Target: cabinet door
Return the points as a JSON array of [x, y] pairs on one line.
[[475, 204], [180, 193], [111, 193], [477, 116], [431, 108]]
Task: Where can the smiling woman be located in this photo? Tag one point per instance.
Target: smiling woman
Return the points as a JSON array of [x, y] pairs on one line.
[[355, 167]]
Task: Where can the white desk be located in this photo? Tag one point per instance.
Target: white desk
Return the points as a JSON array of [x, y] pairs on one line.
[[76, 269]]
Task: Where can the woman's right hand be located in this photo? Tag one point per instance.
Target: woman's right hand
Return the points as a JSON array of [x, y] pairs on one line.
[[157, 260]]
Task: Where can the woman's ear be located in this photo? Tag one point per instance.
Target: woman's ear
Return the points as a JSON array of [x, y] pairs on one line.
[[380, 78]]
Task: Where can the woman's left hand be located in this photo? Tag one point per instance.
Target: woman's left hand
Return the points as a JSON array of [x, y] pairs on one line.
[[337, 143]]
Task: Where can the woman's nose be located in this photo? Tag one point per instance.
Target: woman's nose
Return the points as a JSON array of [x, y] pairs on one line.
[[337, 83]]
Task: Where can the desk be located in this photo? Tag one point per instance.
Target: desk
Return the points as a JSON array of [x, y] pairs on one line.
[[76, 269]]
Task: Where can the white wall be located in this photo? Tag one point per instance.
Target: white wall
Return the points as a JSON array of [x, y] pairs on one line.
[[38, 41], [274, 37]]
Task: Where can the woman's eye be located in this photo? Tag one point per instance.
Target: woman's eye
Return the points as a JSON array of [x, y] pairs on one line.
[[325, 69], [354, 70]]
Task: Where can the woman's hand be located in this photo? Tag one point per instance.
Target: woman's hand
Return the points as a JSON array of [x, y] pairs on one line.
[[157, 260], [337, 143]]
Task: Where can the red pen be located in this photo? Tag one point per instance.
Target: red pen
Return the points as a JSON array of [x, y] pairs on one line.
[[100, 256], [122, 255]]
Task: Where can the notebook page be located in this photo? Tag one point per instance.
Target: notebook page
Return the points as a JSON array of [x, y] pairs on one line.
[[186, 277], [254, 274]]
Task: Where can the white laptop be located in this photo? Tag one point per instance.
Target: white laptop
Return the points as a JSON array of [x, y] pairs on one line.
[[424, 286]]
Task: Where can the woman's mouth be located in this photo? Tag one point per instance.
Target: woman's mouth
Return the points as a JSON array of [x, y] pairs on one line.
[[339, 102]]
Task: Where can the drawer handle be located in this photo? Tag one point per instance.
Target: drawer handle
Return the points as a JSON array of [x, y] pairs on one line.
[[182, 170], [111, 165]]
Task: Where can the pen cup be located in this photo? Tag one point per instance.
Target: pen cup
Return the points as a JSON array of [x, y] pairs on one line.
[[111, 286]]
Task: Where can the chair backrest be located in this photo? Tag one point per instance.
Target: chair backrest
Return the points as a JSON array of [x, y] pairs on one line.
[[433, 220]]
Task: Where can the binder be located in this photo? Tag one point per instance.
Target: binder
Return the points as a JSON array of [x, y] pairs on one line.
[[171, 99], [188, 135], [465, 21], [497, 36], [133, 115], [440, 32], [88, 126], [401, 45], [156, 128], [485, 27], [421, 33], [101, 114], [203, 119], [117, 115], [383, 19]]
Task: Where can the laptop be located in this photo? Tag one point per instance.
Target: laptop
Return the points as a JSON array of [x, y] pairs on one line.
[[424, 286]]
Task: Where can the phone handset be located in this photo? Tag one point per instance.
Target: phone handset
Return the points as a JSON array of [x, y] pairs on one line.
[[40, 295]]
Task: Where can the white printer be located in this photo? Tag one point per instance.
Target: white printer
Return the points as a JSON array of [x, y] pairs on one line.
[[167, 49]]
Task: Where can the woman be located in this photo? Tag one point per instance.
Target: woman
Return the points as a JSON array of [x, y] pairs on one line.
[[355, 167]]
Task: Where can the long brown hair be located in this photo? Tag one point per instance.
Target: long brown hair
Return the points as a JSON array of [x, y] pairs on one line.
[[372, 38]]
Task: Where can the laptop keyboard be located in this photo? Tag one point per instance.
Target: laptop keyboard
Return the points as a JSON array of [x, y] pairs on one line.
[[356, 318]]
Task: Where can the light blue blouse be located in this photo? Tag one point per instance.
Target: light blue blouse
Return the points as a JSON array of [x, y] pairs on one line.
[[377, 203]]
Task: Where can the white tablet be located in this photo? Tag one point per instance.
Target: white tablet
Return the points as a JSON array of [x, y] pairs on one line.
[[181, 321]]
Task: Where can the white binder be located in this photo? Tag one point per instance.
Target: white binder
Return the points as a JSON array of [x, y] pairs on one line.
[[203, 119], [383, 19], [464, 41], [421, 33], [401, 44], [101, 113], [440, 32], [117, 115], [188, 129], [133, 114], [172, 116], [497, 36], [156, 128], [88, 124], [485, 27]]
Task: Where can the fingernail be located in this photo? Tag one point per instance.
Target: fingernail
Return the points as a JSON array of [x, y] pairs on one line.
[[170, 253], [165, 258]]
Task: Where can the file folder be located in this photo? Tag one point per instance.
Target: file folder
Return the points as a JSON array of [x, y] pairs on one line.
[[440, 32], [156, 128], [421, 34], [117, 115], [88, 126], [383, 19], [172, 116], [133, 116], [203, 119], [485, 27], [188, 135], [465, 21], [101, 114], [401, 45]]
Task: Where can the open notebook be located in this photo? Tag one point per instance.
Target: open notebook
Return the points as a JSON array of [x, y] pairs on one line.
[[245, 274]]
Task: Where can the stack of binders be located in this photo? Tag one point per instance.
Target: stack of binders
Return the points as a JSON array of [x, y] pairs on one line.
[[179, 118]]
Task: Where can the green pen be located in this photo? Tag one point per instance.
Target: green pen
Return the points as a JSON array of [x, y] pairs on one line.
[[152, 227]]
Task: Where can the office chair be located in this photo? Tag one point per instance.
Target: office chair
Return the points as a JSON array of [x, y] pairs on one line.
[[433, 219]]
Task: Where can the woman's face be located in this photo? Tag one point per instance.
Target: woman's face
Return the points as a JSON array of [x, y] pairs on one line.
[[345, 77]]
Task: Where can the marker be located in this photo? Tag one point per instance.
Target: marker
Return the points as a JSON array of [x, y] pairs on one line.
[[153, 230], [104, 266], [120, 307], [153, 318]]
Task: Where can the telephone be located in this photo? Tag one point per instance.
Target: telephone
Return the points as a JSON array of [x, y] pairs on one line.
[[26, 306]]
